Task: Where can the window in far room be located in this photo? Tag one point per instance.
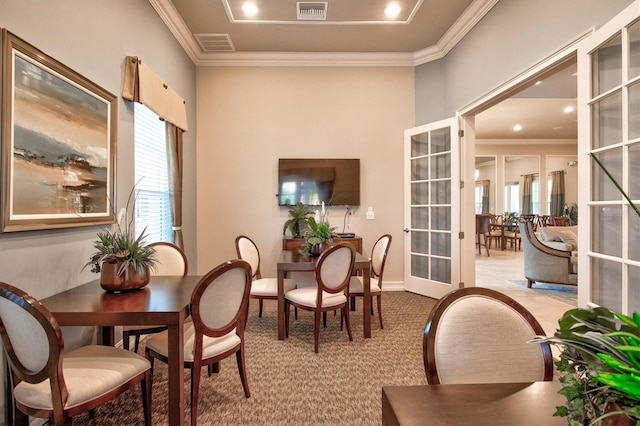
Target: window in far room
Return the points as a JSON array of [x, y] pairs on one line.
[[479, 192], [153, 207], [512, 197]]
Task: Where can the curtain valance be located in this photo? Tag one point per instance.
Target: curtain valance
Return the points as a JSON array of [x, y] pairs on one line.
[[144, 86]]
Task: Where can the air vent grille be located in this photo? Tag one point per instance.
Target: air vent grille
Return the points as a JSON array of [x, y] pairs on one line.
[[312, 11], [215, 42]]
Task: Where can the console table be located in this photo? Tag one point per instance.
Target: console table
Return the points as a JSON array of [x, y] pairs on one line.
[[290, 243]]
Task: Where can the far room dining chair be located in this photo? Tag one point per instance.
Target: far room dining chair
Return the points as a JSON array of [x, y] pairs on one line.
[[479, 335], [261, 288], [220, 305], [333, 273], [483, 232], [378, 260], [170, 260], [48, 382]]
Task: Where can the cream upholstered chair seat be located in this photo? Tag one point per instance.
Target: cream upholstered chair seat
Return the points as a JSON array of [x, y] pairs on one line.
[[269, 286], [308, 296], [356, 285], [89, 372], [211, 346], [49, 383], [479, 335], [261, 288]]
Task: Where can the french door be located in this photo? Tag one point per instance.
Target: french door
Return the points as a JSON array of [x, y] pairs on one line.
[[432, 208], [609, 133]]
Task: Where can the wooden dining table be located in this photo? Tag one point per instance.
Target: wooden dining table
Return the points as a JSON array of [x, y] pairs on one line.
[[164, 301], [473, 404], [293, 260]]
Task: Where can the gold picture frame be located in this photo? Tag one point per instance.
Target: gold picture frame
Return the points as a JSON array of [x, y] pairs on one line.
[[58, 143]]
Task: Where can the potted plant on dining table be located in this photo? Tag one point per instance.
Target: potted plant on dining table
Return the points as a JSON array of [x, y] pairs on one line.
[[122, 259]]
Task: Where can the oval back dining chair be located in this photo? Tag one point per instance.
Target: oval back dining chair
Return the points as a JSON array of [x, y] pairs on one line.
[[333, 273], [261, 288], [48, 382], [378, 260], [170, 260], [479, 335], [220, 305]]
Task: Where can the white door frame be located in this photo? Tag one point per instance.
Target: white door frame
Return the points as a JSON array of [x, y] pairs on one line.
[[467, 149]]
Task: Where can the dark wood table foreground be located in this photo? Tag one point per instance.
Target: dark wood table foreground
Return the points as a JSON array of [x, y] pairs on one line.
[[473, 404]]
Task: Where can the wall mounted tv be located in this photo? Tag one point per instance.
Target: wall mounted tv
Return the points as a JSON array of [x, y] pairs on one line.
[[312, 181]]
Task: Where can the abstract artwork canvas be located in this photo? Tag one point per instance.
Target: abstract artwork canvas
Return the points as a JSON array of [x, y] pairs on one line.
[[58, 143]]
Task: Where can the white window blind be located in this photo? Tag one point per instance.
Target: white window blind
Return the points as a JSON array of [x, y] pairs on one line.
[[153, 209]]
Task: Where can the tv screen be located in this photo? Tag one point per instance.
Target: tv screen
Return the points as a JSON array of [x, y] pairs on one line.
[[313, 181]]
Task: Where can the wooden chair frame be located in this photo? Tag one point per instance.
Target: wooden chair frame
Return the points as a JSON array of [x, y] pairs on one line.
[[238, 323], [53, 369], [322, 287], [377, 271]]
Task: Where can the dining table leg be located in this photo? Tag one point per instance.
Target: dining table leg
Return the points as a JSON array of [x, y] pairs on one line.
[[281, 275], [176, 374], [366, 305]]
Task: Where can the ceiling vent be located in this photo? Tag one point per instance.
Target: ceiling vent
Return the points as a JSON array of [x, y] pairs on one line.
[[312, 11], [215, 42]]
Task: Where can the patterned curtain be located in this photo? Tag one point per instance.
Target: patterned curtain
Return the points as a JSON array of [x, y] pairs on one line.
[[486, 184], [527, 183], [557, 193]]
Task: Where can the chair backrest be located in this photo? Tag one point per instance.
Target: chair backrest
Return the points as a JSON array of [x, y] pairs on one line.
[[220, 301], [482, 223], [170, 259], [560, 221], [248, 251], [379, 256], [333, 270], [479, 335], [32, 340]]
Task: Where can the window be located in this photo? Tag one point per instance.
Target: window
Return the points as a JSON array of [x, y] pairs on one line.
[[479, 192], [512, 197], [153, 205], [535, 196]]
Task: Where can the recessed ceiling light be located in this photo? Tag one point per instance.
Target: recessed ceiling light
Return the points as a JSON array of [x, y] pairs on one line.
[[392, 10], [250, 9], [517, 128], [568, 109], [538, 82]]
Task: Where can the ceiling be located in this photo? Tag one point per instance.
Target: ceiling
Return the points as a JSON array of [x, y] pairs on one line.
[[357, 33]]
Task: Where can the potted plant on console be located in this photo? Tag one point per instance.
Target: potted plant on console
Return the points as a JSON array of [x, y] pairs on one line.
[[319, 235], [122, 259], [297, 223]]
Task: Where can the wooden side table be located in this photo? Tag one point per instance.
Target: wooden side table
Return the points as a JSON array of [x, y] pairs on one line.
[[290, 243]]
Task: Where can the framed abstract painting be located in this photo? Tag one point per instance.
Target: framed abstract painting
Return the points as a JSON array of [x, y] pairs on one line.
[[58, 143]]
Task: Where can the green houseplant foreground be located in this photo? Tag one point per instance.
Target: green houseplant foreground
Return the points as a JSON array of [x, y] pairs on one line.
[[599, 365]]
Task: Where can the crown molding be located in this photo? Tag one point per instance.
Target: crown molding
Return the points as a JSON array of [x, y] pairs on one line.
[[172, 19]]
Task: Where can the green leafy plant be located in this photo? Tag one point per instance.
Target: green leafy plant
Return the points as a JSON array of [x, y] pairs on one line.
[[599, 365], [319, 232], [297, 222], [121, 245], [509, 217]]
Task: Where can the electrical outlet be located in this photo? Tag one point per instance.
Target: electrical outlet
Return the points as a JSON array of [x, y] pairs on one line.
[[370, 214]]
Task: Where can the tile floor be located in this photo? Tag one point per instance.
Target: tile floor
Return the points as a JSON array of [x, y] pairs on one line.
[[495, 271]]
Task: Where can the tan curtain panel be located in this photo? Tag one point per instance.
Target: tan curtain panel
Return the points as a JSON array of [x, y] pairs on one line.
[[174, 159], [144, 86]]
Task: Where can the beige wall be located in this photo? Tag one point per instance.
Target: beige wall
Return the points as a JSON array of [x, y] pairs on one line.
[[250, 117]]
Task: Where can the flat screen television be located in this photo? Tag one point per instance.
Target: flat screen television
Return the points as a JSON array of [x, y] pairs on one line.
[[312, 181]]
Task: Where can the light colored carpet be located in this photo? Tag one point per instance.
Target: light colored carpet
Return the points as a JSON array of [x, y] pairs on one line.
[[292, 385]]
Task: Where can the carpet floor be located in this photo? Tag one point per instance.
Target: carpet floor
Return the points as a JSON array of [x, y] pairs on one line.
[[292, 385]]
